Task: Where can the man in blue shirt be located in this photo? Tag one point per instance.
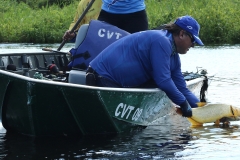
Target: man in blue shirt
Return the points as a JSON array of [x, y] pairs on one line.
[[150, 59]]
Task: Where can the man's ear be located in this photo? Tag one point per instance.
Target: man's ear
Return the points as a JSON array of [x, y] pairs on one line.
[[181, 34]]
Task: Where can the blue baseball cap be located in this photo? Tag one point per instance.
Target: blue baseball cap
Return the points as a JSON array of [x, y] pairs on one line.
[[190, 25]]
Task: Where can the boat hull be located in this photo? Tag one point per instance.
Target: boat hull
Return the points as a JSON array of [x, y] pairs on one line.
[[42, 108], [39, 107]]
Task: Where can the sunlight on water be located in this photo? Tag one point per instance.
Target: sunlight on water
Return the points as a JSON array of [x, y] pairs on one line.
[[169, 138], [18, 48], [223, 63]]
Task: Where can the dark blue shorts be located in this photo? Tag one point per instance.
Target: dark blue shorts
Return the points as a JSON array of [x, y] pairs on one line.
[[131, 22]]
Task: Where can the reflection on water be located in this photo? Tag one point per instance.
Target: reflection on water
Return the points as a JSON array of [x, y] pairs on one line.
[[154, 142], [213, 143], [171, 137], [164, 141]]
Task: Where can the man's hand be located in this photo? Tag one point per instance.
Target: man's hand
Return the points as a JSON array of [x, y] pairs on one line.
[[68, 36], [186, 109], [178, 111]]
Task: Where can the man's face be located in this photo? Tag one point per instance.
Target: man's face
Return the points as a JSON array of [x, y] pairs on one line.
[[185, 42]]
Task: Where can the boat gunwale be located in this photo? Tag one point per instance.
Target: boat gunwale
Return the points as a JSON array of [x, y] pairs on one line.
[[152, 90], [34, 53]]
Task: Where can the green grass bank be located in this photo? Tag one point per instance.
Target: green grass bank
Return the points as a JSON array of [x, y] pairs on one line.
[[44, 22]]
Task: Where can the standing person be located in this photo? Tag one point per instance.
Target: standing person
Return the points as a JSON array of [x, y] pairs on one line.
[[149, 59], [128, 15], [92, 13]]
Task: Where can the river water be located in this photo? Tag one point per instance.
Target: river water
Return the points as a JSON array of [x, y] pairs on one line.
[[171, 137]]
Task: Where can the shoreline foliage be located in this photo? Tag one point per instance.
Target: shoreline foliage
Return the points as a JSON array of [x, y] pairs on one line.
[[45, 21]]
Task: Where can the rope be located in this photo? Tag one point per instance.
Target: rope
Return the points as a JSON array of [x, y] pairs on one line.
[[233, 81]]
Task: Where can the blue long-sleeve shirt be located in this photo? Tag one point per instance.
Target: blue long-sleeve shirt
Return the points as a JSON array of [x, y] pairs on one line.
[[123, 6], [137, 58]]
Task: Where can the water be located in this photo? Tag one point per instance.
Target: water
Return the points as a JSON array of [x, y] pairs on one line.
[[169, 138]]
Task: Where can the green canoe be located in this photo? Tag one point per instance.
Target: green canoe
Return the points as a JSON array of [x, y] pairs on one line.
[[60, 104]]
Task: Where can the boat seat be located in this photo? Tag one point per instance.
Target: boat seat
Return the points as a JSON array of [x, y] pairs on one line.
[[16, 60], [91, 39], [82, 32], [77, 77], [2, 67]]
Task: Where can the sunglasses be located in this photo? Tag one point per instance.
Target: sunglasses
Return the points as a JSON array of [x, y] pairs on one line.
[[191, 37]]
